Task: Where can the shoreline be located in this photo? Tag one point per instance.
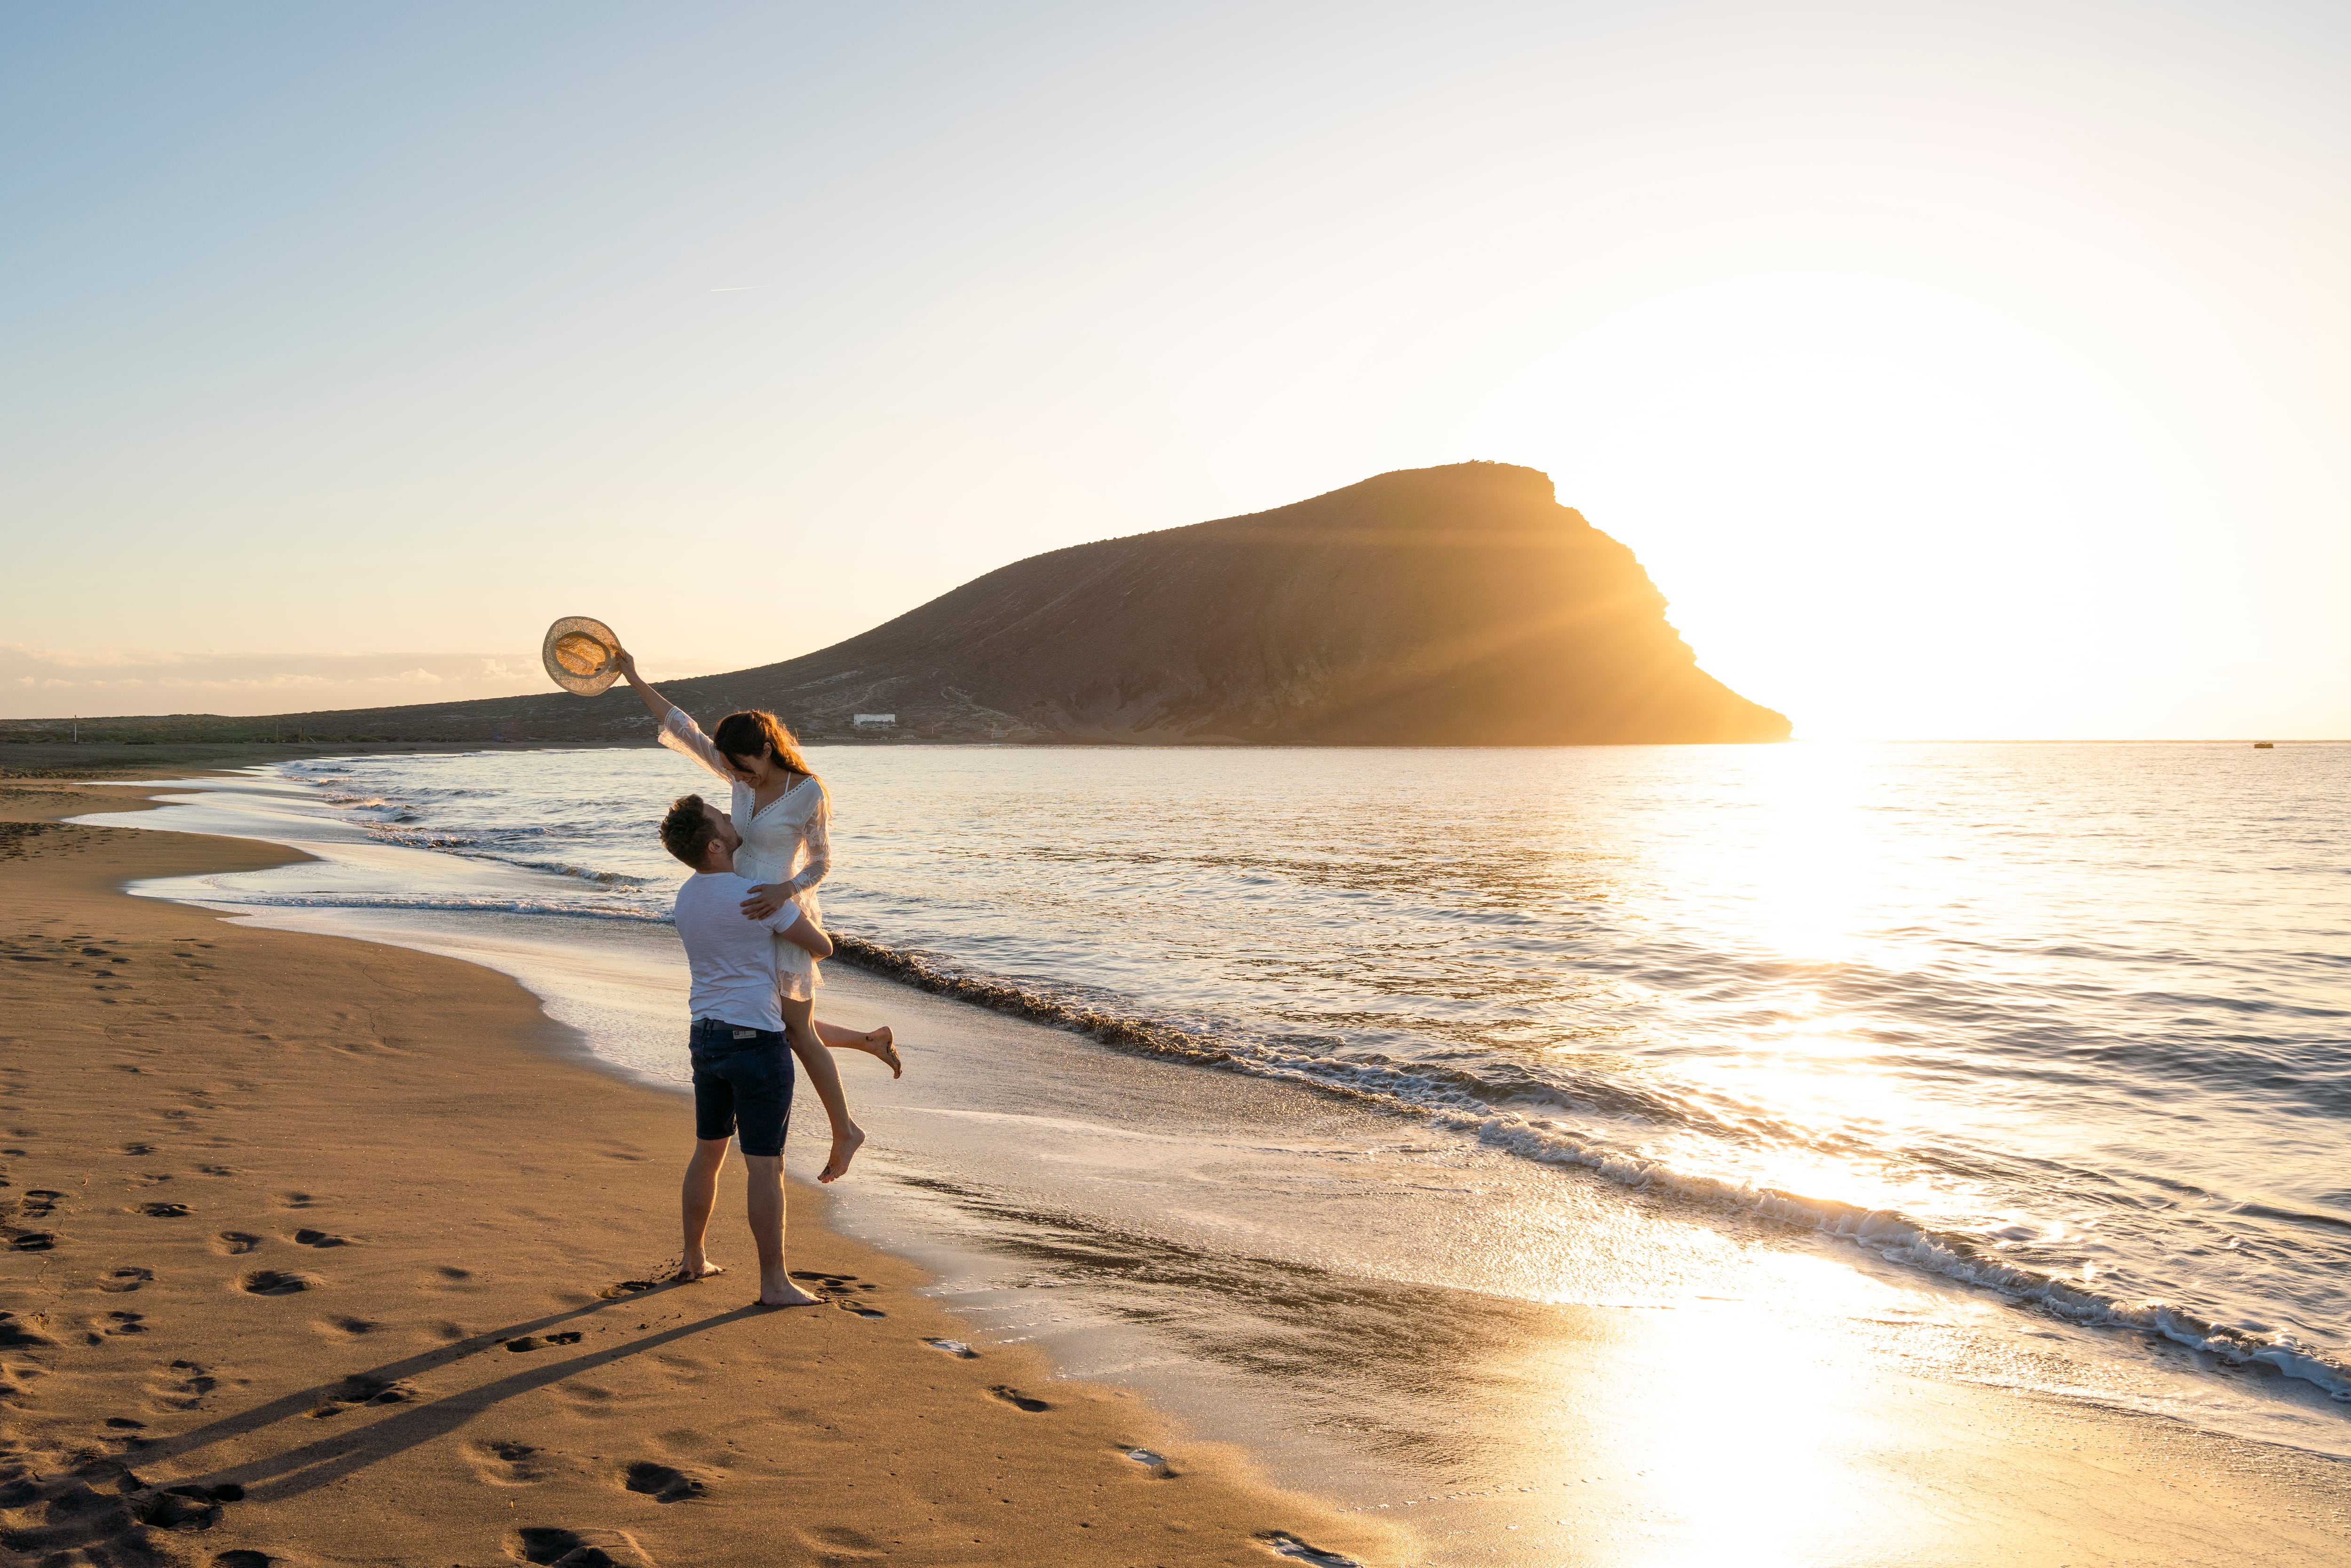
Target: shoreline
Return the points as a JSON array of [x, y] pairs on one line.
[[464, 911], [305, 1205], [1974, 1447]]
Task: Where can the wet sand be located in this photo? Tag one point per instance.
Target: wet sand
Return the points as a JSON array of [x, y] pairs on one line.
[[393, 1168], [320, 1251]]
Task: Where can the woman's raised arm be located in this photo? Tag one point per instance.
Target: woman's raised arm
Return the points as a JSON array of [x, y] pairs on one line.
[[678, 730], [660, 707]]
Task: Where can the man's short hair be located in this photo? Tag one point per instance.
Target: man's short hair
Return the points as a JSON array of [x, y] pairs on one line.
[[687, 831]]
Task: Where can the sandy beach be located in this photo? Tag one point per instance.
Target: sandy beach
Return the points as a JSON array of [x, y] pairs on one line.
[[321, 1251], [327, 1252]]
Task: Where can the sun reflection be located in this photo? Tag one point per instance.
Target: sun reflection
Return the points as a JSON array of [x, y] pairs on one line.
[[1797, 1088], [1812, 853], [1727, 1431]]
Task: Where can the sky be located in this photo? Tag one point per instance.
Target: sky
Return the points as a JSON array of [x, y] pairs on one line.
[[1973, 371]]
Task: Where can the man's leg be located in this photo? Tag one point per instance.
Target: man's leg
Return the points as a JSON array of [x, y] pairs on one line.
[[763, 1200], [825, 1078], [700, 1196]]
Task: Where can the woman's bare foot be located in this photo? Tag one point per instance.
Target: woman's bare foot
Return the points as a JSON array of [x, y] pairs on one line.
[[696, 1269], [845, 1149], [780, 1292], [877, 1041]]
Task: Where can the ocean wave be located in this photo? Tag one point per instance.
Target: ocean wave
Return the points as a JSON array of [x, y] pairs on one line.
[[1901, 1240], [1462, 1102]]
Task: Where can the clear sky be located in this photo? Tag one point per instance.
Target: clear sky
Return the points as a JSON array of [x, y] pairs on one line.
[[1964, 370]]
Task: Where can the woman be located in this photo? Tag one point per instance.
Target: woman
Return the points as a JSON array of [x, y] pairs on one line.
[[784, 816]]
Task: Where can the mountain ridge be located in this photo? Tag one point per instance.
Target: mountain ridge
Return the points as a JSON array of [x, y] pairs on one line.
[[1454, 605]]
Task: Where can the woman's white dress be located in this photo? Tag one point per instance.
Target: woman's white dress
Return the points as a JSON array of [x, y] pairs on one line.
[[788, 843]]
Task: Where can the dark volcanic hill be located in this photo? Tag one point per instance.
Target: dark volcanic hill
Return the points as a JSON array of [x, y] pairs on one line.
[[1454, 606]]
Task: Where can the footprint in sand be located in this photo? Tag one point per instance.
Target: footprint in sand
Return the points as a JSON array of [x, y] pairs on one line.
[[1155, 1463], [1288, 1545], [295, 1200], [953, 1347], [39, 1201], [32, 1241], [276, 1282], [360, 1388], [235, 1243], [1018, 1400], [318, 1238], [116, 1281], [125, 1323], [574, 1548], [625, 1288], [163, 1210], [185, 1507], [16, 1334], [244, 1558], [181, 1387], [586, 1399], [502, 1462], [135, 1150], [540, 1341], [836, 1288], [660, 1483], [346, 1328]]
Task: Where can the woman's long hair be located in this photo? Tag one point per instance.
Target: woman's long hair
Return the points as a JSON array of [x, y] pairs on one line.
[[755, 730]]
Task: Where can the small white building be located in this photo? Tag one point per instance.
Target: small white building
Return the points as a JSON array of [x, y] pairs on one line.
[[876, 720]]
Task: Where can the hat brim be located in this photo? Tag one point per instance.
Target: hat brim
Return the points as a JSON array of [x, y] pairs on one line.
[[564, 636]]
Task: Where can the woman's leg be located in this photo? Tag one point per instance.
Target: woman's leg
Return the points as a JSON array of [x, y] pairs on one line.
[[799, 1029], [872, 1041]]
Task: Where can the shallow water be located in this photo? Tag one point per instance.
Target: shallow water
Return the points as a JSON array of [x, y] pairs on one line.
[[2066, 1023]]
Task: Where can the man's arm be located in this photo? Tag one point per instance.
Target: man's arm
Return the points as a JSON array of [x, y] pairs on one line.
[[805, 933], [799, 930]]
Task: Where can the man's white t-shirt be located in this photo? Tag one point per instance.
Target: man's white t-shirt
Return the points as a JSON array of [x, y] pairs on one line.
[[733, 957]]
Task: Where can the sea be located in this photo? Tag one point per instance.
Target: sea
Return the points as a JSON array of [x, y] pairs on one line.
[[2030, 1061]]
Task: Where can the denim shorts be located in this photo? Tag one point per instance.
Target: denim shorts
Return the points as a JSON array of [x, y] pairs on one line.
[[742, 1085]]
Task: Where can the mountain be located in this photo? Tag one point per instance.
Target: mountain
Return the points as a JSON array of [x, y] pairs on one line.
[[1452, 606]]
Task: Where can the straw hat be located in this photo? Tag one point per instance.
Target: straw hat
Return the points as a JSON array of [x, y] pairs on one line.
[[582, 655]]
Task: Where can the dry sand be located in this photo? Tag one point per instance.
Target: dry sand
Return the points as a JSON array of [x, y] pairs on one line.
[[326, 1252]]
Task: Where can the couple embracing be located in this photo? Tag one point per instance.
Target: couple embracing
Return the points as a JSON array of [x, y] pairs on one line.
[[749, 919]]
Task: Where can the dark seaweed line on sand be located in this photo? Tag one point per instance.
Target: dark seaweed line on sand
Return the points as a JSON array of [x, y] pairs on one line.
[[1140, 1035]]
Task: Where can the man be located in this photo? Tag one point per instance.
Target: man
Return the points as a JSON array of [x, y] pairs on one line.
[[741, 1071]]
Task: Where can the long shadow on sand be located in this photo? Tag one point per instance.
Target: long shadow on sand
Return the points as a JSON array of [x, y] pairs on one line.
[[330, 1457]]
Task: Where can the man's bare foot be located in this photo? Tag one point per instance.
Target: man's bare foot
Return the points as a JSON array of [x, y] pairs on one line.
[[878, 1041], [697, 1268], [784, 1294], [845, 1149]]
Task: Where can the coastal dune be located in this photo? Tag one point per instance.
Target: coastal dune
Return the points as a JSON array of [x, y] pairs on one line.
[[319, 1251]]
